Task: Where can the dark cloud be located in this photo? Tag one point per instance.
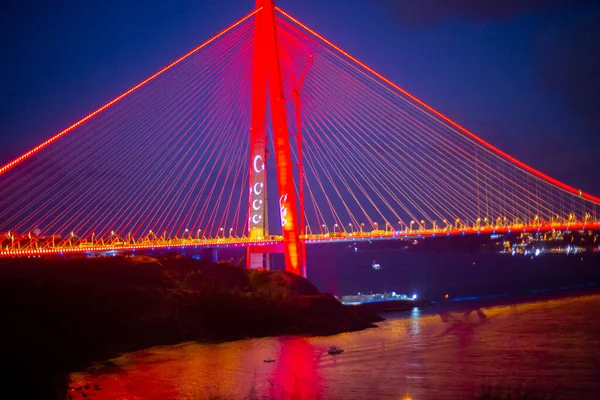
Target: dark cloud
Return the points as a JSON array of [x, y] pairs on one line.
[[567, 61], [423, 12]]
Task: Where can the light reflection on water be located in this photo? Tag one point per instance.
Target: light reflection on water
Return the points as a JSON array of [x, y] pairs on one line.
[[417, 355]]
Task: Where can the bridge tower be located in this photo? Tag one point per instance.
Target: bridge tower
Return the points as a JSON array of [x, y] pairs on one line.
[[267, 85]]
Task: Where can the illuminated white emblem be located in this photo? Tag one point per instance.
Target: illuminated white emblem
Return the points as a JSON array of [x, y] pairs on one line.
[[283, 209], [258, 164]]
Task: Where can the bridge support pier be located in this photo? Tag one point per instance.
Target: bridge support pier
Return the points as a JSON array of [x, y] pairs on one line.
[[257, 260], [267, 75]]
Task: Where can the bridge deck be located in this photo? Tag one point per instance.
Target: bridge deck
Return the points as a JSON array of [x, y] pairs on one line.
[[28, 246]]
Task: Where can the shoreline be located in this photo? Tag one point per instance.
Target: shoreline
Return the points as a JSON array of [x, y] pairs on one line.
[[66, 314], [355, 346], [499, 300]]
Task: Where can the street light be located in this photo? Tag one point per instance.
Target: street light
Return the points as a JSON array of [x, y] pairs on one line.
[[411, 224], [335, 227], [376, 226], [457, 221], [223, 233], [362, 225], [351, 229], [422, 225], [325, 228], [230, 229]]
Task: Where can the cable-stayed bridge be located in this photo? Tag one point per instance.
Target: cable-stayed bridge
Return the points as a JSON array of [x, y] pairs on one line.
[[268, 136]]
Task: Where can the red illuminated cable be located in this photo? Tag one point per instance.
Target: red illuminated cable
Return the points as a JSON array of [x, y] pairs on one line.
[[382, 119], [345, 124], [337, 77], [225, 171], [168, 192], [213, 108], [366, 168], [81, 121], [341, 178], [113, 157], [296, 72], [175, 195], [160, 207], [351, 125], [224, 146], [83, 154], [235, 122], [184, 220], [323, 158], [237, 166], [539, 174], [109, 228], [384, 169]]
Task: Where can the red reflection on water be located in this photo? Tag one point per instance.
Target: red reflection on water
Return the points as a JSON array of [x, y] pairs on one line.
[[296, 373], [144, 382]]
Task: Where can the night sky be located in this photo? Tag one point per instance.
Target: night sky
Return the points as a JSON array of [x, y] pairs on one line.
[[522, 74]]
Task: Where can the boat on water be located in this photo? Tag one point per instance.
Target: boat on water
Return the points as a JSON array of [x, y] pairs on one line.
[[376, 265], [269, 360], [384, 302], [333, 350]]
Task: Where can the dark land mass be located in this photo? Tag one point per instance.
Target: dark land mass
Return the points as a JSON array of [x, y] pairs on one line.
[[60, 315]]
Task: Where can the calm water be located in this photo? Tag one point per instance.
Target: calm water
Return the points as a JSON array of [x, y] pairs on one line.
[[417, 355]]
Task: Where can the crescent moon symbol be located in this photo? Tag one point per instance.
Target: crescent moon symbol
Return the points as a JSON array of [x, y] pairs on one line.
[[258, 168]]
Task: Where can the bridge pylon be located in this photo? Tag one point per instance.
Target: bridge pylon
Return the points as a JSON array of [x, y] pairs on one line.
[[267, 85]]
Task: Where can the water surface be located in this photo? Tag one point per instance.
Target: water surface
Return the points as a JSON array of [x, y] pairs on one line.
[[550, 345]]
